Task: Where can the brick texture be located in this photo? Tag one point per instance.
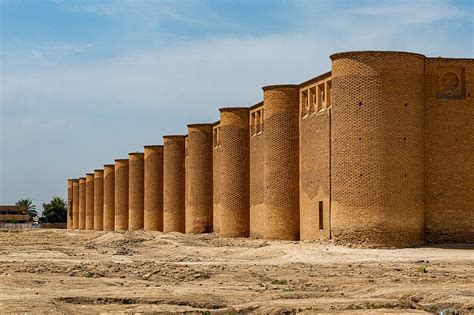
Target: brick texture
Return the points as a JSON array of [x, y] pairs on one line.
[[153, 211], [135, 191], [98, 200], [109, 197], [121, 194], [199, 201], [173, 184]]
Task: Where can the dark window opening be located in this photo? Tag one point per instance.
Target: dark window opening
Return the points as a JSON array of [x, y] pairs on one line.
[[321, 222]]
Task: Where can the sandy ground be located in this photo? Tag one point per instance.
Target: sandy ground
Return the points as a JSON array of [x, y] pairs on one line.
[[47, 271]]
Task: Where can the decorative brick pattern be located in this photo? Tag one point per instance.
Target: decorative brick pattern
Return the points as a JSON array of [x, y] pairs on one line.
[[121, 194], [69, 205], [153, 211], [256, 177], [98, 200], [109, 197], [173, 184], [377, 146], [281, 169], [199, 179], [136, 169], [90, 201], [75, 204], [449, 152], [234, 181], [377, 152], [82, 203]]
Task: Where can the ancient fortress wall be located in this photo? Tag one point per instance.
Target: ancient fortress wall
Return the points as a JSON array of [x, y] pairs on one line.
[[234, 181], [377, 149], [281, 162], [173, 184], [82, 203], [216, 178], [69, 205], [315, 120], [121, 194], [90, 201], [256, 170], [449, 145], [98, 200], [136, 171], [109, 197], [75, 204], [199, 179], [153, 188], [378, 152]]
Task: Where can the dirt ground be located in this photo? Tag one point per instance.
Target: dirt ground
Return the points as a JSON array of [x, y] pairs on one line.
[[47, 271]]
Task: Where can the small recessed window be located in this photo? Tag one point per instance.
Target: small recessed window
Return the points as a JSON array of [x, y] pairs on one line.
[[321, 216]]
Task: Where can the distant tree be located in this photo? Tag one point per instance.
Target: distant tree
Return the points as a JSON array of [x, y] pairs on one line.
[[55, 211], [29, 204]]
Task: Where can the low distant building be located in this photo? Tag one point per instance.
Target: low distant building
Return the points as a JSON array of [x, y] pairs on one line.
[[14, 213]]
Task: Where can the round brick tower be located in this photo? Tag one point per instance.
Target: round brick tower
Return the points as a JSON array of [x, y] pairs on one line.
[[82, 203], [98, 200], [109, 197], [90, 201], [135, 191], [173, 184], [199, 179], [234, 210], [75, 204], [377, 149], [281, 163], [121, 194], [153, 210], [69, 205]]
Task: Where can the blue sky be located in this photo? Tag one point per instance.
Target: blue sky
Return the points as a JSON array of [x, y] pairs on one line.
[[86, 82]]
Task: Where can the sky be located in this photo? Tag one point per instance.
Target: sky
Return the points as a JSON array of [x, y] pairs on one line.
[[85, 82]]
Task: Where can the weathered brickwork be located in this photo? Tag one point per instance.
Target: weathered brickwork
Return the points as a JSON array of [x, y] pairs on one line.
[[82, 203], [281, 152], [136, 172], [199, 179], [90, 201], [121, 194], [174, 183], [216, 172], [75, 204], [234, 180], [69, 210], [315, 119], [109, 197], [98, 200], [377, 152], [153, 188], [256, 171], [377, 146], [449, 150]]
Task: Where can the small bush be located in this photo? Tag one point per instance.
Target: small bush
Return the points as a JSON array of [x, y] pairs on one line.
[[374, 306], [280, 282]]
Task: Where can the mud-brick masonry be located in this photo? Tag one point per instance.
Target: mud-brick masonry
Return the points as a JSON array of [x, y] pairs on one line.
[[376, 152]]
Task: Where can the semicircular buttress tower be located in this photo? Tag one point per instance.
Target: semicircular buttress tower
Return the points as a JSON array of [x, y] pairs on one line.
[[199, 203], [153, 185], [121, 195], [75, 204], [173, 183], [281, 162], [377, 149], [109, 197], [234, 201]]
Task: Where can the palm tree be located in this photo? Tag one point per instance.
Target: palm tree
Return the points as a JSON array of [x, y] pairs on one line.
[[55, 211], [29, 204]]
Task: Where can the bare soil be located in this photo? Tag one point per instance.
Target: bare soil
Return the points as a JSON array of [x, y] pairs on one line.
[[60, 271]]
